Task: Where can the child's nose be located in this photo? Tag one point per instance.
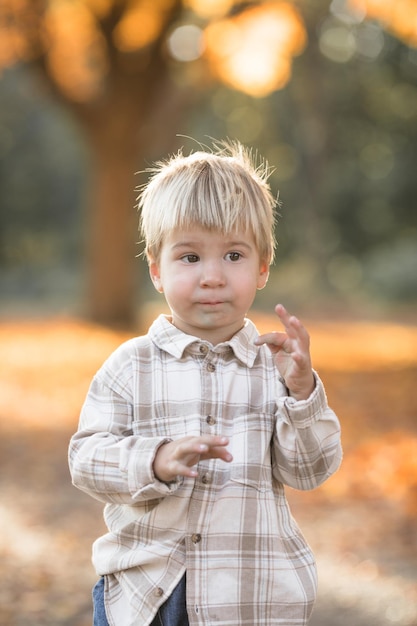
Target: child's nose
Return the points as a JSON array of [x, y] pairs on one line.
[[212, 274]]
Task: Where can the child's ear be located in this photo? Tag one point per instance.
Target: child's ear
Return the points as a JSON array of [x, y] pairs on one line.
[[155, 274], [263, 274]]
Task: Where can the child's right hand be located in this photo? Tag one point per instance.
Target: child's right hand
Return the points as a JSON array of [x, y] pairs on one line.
[[178, 458]]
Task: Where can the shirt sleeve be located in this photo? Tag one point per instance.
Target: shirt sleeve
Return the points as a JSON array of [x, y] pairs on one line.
[[106, 459], [307, 447]]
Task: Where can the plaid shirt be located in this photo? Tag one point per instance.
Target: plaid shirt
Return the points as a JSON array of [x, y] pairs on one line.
[[230, 529]]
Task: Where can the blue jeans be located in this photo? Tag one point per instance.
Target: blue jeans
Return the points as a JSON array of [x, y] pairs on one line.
[[172, 613]]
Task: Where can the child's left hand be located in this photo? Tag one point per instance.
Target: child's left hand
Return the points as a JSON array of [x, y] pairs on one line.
[[291, 351]]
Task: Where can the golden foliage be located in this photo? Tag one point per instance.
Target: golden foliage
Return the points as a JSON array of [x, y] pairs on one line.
[[19, 22], [253, 50], [76, 49], [384, 467], [100, 8], [141, 24], [397, 16], [209, 8], [50, 364], [358, 346], [365, 513], [46, 368]]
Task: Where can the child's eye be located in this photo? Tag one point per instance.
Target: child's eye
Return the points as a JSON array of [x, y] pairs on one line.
[[234, 256], [190, 258]]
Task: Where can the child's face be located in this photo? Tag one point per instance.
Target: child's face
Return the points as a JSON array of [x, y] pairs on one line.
[[209, 280]]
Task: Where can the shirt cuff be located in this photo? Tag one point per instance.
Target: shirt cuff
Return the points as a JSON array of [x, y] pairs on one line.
[[305, 412], [143, 484]]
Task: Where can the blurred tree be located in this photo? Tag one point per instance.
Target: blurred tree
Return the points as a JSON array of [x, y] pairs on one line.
[[114, 64], [129, 70]]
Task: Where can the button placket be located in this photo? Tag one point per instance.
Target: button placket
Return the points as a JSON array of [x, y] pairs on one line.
[[208, 394]]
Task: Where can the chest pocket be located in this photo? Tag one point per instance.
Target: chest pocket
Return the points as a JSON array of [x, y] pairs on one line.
[[170, 426], [250, 447]]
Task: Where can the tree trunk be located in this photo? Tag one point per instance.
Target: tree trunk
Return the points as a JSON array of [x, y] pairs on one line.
[[122, 141], [112, 235]]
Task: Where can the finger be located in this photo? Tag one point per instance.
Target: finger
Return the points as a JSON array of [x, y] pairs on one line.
[[189, 451], [272, 339], [186, 470], [216, 448], [199, 445], [215, 440], [217, 453], [284, 316], [293, 328], [179, 467], [282, 313], [292, 324], [188, 466]]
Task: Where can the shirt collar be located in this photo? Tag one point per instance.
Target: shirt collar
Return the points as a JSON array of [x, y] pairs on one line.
[[172, 340]]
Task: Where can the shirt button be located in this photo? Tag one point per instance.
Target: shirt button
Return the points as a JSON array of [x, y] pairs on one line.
[[210, 420], [211, 367], [196, 538], [159, 592], [203, 349], [206, 478]]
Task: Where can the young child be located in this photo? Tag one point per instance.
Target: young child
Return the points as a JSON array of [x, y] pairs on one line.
[[189, 433]]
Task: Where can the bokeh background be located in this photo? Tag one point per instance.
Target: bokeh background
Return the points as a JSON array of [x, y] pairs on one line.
[[92, 92]]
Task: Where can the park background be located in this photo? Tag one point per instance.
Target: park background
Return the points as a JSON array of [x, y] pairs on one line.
[[92, 92]]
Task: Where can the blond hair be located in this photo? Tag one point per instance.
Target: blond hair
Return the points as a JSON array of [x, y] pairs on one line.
[[223, 189]]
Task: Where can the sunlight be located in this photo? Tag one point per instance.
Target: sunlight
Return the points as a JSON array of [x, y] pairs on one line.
[[385, 466], [43, 362], [52, 362], [24, 541], [209, 8], [141, 24], [76, 51], [399, 16], [356, 346], [185, 43], [337, 43], [253, 51]]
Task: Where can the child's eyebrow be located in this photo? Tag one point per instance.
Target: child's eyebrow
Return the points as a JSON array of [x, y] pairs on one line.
[[244, 244], [227, 244], [181, 244]]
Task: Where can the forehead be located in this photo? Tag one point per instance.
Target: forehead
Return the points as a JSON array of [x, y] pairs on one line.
[[205, 237]]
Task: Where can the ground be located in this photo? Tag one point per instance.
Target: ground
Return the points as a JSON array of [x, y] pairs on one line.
[[361, 524]]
